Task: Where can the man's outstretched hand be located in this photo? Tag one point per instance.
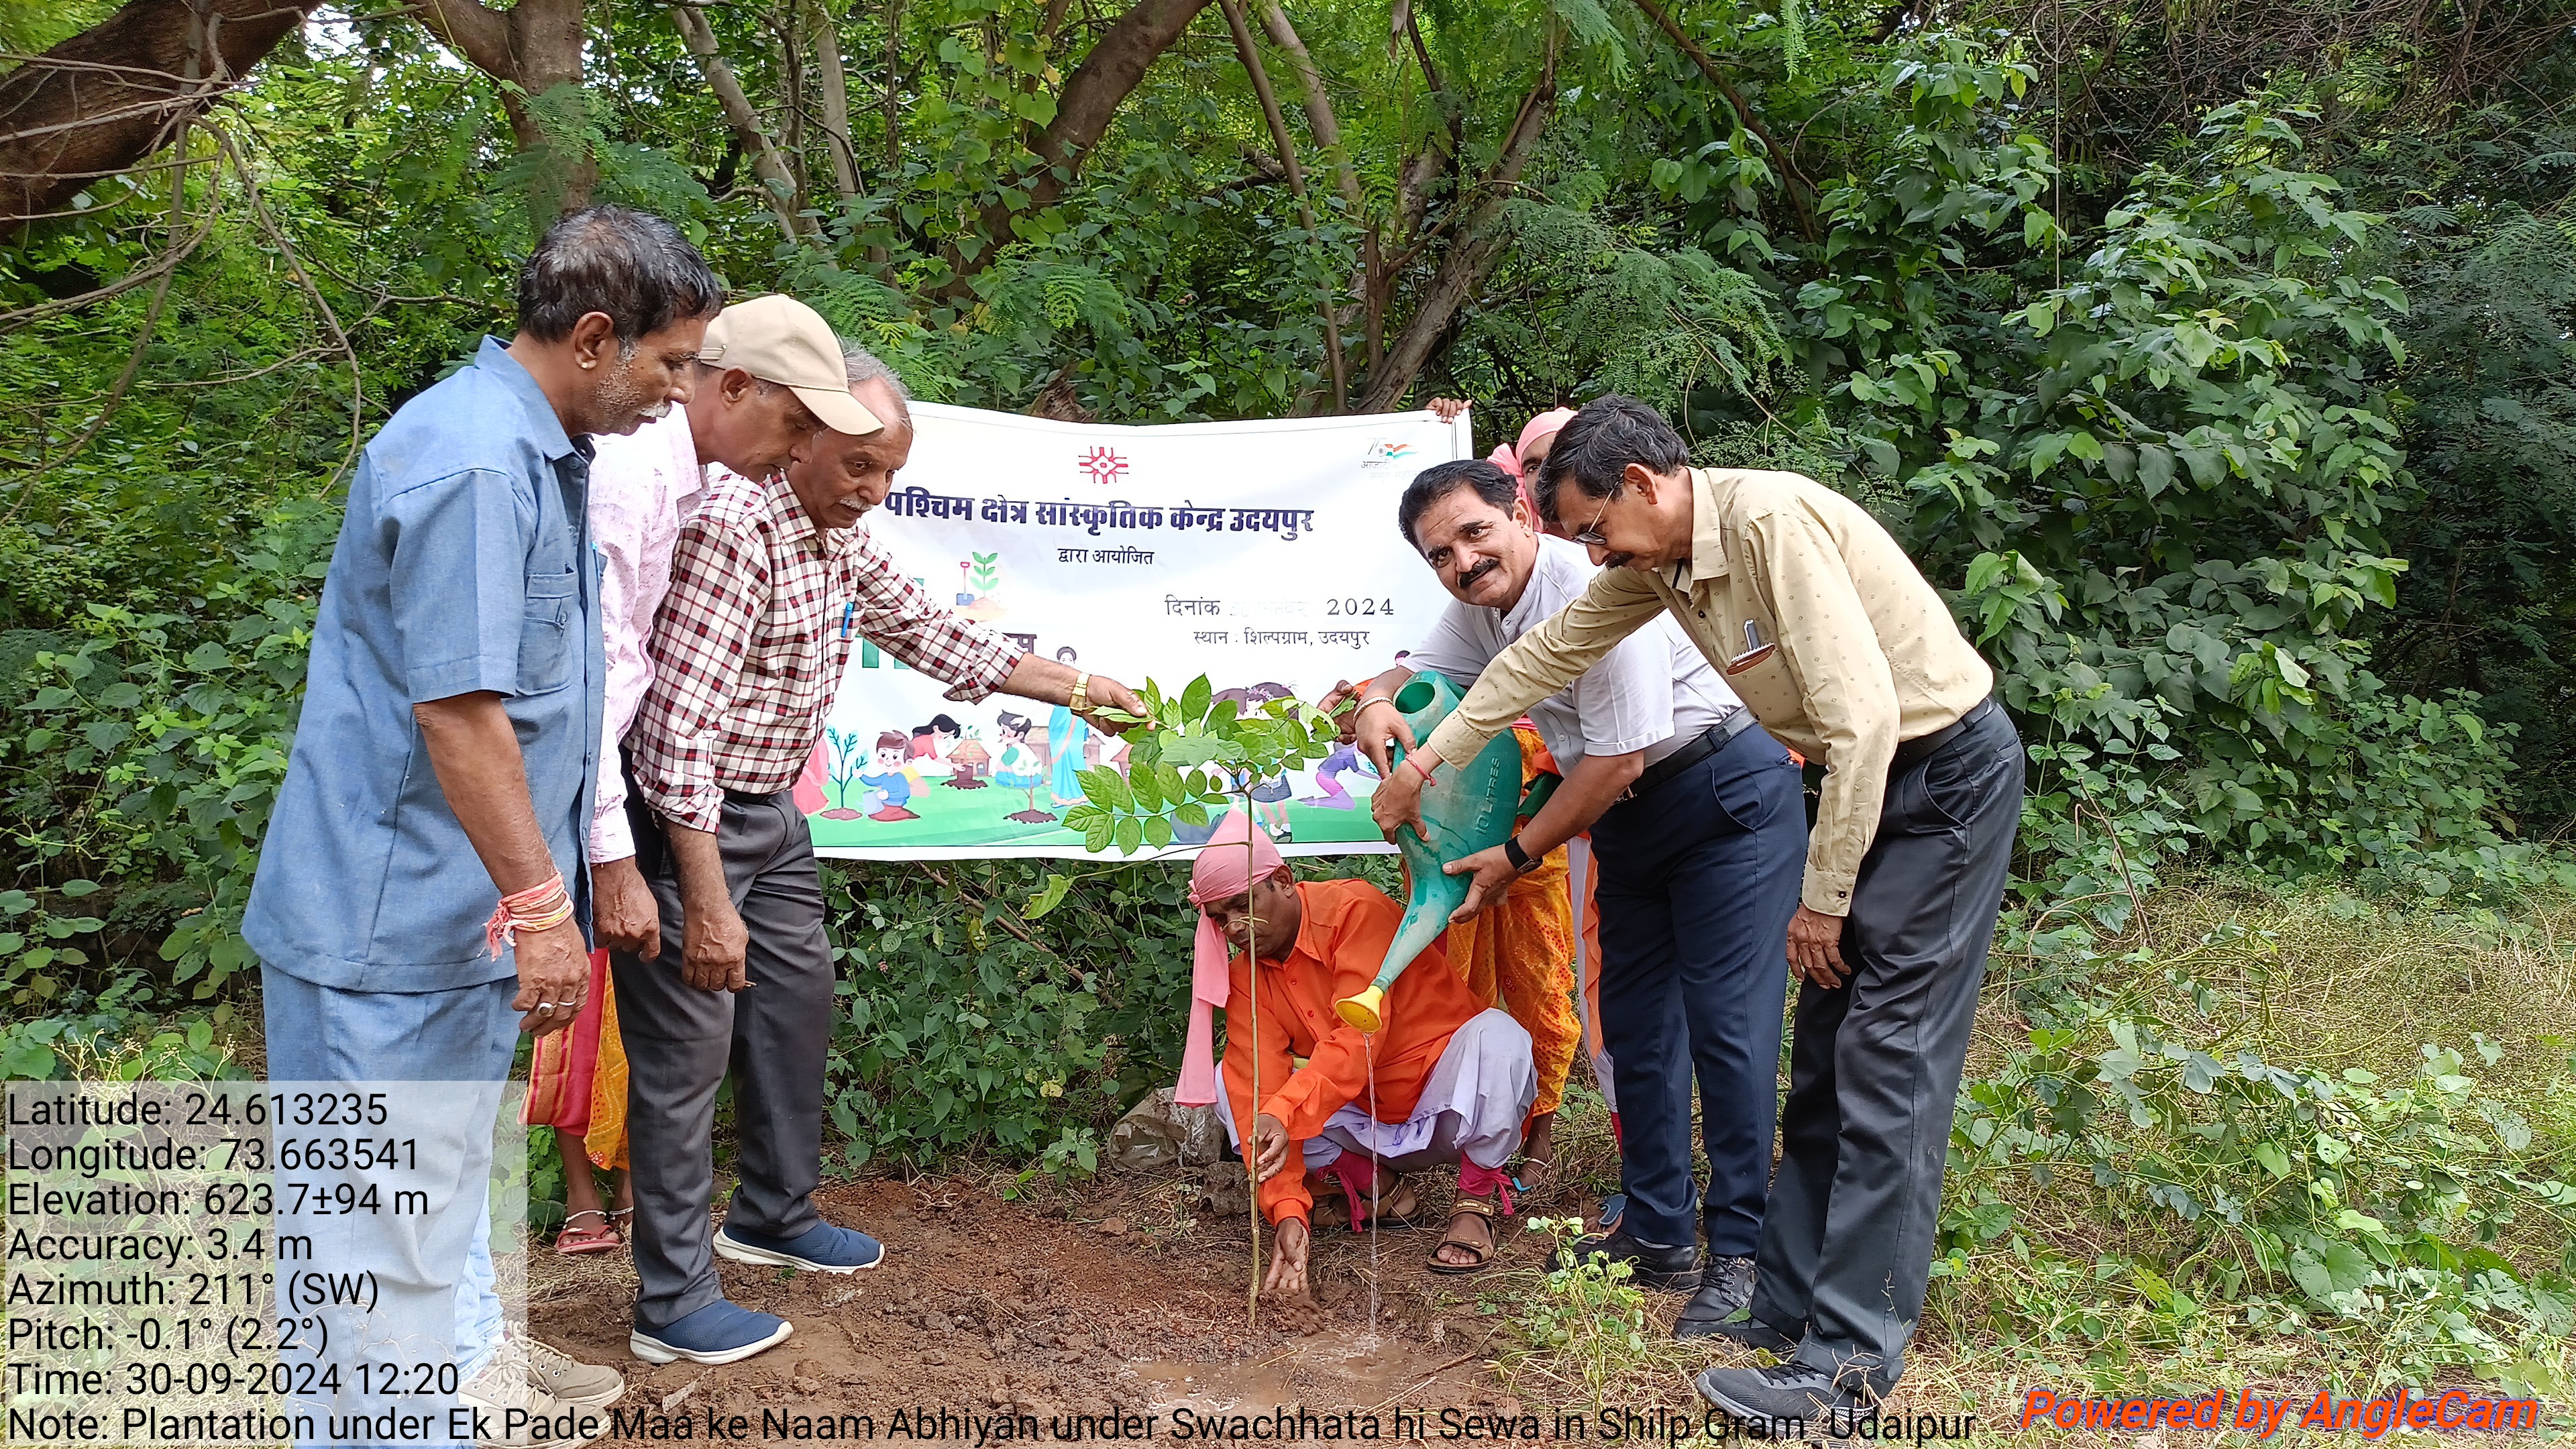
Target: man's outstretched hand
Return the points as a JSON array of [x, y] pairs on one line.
[[1108, 693]]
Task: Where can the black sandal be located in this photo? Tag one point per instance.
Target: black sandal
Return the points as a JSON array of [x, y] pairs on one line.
[[1475, 1207]]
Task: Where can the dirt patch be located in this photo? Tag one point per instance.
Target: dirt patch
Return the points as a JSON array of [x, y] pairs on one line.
[[1120, 1296]]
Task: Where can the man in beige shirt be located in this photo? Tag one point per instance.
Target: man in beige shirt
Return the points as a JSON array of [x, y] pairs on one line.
[[1823, 627]]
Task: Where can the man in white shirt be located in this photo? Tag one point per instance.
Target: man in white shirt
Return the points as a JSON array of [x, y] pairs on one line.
[[1695, 903], [643, 487]]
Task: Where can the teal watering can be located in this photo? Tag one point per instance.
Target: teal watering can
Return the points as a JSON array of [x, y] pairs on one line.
[[1469, 809]]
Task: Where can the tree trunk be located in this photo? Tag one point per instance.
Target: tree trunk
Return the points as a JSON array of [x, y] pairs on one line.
[[893, 93], [1251, 55], [1084, 108], [836, 102], [535, 46], [1320, 120], [1471, 255], [103, 100], [777, 184]]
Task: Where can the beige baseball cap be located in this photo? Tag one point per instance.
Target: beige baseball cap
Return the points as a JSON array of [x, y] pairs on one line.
[[779, 339]]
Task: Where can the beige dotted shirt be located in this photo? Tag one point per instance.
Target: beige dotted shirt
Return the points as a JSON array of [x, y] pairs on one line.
[[1867, 654]]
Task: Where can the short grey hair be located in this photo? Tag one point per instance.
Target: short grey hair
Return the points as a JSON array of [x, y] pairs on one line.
[[635, 267], [864, 366]]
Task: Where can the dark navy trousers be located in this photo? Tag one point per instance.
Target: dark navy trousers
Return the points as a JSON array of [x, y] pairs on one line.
[[1698, 879]]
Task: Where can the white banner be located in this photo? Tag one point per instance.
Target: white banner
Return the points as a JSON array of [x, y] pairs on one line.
[[1261, 554]]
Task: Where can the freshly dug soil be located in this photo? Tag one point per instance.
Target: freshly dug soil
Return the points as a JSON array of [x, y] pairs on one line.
[[1117, 1297]]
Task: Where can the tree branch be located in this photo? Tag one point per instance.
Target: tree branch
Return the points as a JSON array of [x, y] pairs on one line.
[[105, 99], [836, 102], [777, 184], [1320, 120], [1086, 105], [1479, 245], [481, 36]]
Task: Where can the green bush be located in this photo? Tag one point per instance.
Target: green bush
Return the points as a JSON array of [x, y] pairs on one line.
[[2135, 1175], [961, 1027], [150, 745]]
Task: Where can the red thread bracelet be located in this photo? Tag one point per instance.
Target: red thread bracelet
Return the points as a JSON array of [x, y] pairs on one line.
[[1419, 768]]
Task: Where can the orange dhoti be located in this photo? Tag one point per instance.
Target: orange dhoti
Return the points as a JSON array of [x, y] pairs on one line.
[[1521, 953], [577, 1077]]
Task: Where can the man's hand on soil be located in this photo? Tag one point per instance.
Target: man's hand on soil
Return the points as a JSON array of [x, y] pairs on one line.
[[1287, 1275], [1269, 1147]]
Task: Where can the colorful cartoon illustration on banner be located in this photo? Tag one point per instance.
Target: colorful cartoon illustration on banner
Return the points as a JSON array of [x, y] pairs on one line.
[[1254, 553], [968, 763], [1018, 767], [1067, 735], [889, 781]]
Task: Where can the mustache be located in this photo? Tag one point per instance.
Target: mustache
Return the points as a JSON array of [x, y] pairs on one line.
[[1468, 579], [656, 412]]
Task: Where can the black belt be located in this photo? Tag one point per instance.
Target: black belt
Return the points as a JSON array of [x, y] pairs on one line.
[[1711, 740], [1911, 751]]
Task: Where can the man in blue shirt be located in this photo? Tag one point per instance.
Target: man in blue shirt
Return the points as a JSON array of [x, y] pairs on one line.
[[446, 753]]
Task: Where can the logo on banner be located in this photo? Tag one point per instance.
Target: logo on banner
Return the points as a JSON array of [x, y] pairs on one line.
[[1384, 454], [1103, 464]]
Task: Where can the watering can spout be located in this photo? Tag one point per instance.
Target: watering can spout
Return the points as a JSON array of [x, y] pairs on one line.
[[1469, 809]]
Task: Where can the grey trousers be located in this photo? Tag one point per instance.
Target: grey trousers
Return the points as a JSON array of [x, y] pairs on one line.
[[1847, 1234], [681, 1041]]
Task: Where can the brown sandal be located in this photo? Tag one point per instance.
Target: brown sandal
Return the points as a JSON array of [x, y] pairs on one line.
[[1475, 1207]]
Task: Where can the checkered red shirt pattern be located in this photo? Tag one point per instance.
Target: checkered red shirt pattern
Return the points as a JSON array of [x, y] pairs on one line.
[[751, 640]]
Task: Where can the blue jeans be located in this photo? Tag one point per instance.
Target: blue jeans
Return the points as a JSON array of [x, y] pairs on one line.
[[465, 1035], [1699, 877]]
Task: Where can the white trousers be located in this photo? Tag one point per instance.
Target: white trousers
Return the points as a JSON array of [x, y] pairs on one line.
[[1478, 1095]]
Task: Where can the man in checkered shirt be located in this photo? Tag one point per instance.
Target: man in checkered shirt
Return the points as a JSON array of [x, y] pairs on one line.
[[770, 586]]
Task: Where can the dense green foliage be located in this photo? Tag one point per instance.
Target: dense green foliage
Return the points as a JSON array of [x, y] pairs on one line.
[[2233, 409], [2160, 1180]]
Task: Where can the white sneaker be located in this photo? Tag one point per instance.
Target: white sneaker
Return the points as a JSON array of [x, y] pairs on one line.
[[567, 1380], [511, 1412]]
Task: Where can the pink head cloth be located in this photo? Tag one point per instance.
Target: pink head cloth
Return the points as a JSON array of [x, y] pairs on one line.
[[1223, 872], [1545, 425]]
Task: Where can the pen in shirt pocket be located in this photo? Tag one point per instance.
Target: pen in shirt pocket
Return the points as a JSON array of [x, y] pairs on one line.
[[849, 611], [1756, 649]]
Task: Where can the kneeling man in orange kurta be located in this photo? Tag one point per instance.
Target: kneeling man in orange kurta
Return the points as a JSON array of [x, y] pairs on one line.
[[1453, 1079]]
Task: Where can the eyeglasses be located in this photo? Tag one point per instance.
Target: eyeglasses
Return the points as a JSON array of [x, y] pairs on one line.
[[1591, 537]]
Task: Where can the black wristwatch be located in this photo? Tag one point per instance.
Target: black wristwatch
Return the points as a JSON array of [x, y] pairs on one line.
[[1521, 859]]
